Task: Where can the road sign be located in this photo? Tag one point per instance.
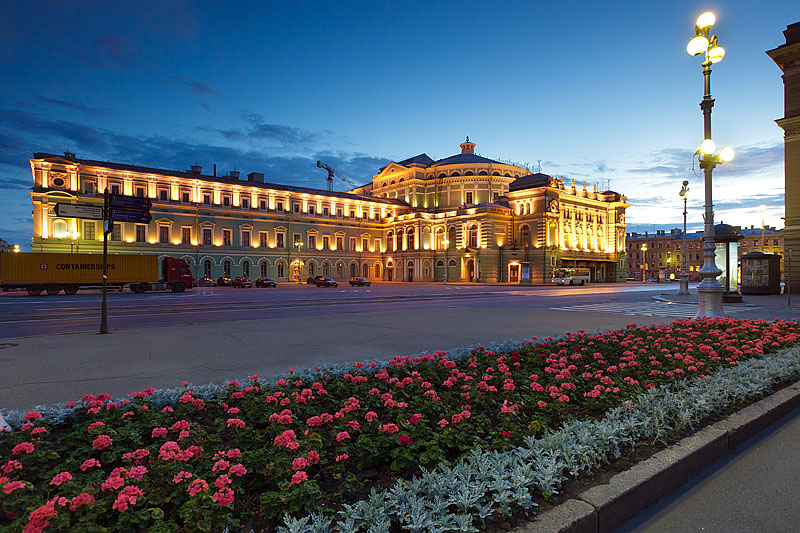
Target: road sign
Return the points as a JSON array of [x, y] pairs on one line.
[[129, 202], [79, 211], [130, 215]]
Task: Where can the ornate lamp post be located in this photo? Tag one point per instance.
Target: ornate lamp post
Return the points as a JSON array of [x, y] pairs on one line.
[[710, 289], [684, 284], [299, 245], [446, 243], [644, 263], [763, 212]]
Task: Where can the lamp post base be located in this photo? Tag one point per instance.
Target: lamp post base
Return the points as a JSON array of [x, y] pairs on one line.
[[683, 289], [709, 303]]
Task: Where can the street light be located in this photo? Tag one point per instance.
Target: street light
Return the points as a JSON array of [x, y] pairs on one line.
[[446, 243], [683, 288], [710, 289], [644, 263], [74, 236], [763, 212], [299, 245]]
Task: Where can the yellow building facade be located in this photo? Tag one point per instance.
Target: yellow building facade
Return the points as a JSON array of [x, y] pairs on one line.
[[462, 218]]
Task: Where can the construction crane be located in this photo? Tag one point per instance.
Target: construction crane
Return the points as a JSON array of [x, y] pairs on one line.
[[332, 173]]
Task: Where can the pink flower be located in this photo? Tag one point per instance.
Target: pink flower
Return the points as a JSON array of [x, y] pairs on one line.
[[342, 436], [102, 442], [237, 470], [342, 457], [236, 422], [22, 447], [300, 463], [159, 432], [58, 479], [313, 456], [90, 463], [11, 465], [222, 464], [505, 433], [95, 425], [370, 416], [389, 428], [8, 488], [81, 500], [180, 476], [404, 439], [299, 477], [221, 481], [542, 404], [234, 453], [224, 496], [32, 415], [442, 423], [415, 418], [137, 472], [197, 486], [126, 497]]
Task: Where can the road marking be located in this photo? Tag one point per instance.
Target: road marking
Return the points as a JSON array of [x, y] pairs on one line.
[[642, 309]]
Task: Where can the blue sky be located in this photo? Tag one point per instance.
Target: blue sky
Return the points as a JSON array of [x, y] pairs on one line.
[[596, 91]]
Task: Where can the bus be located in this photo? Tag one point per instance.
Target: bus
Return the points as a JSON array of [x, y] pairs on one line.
[[571, 276]]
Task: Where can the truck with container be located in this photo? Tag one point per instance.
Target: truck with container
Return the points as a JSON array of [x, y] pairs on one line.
[[51, 273]]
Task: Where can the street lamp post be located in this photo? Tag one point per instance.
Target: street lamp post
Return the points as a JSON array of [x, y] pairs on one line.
[[644, 263], [763, 212], [446, 243], [74, 239], [299, 245], [683, 289], [710, 289]]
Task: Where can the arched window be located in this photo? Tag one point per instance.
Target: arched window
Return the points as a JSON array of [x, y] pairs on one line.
[[264, 269], [410, 239], [398, 240], [483, 173], [207, 268], [439, 263], [326, 270], [312, 270], [226, 269], [377, 270], [439, 244], [390, 241], [472, 237], [442, 175], [452, 238], [59, 229], [353, 270], [339, 270], [281, 270], [365, 270], [246, 269], [455, 173], [525, 236], [469, 173]]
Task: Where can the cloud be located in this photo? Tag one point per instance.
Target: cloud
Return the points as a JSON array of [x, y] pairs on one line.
[[77, 106], [258, 129], [197, 87]]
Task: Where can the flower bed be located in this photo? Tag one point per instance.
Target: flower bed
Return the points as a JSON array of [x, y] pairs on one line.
[[254, 451]]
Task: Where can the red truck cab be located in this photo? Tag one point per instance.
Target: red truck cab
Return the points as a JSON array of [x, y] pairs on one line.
[[176, 271]]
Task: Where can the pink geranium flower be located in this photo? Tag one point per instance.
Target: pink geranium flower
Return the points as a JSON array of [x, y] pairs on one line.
[[102, 442], [299, 477], [58, 479]]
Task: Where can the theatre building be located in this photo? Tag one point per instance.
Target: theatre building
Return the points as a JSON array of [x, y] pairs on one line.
[[463, 218]]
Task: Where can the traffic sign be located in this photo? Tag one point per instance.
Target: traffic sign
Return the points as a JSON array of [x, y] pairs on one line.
[[79, 211], [130, 215], [129, 202]]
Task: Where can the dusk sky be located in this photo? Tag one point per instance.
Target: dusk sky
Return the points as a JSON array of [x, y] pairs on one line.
[[597, 91]]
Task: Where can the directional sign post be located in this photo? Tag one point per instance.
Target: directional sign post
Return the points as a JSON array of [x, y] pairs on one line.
[[129, 202], [119, 214], [79, 211]]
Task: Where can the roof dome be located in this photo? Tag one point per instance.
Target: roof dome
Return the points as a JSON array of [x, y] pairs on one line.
[[726, 233]]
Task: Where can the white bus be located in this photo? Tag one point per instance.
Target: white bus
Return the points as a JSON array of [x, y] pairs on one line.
[[571, 276]]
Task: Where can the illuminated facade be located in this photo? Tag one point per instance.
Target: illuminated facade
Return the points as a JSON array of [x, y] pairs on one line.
[[465, 217]]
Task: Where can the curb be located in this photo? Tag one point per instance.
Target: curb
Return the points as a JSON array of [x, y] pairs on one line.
[[604, 507]]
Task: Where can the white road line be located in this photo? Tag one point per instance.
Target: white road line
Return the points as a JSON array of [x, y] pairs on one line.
[[642, 309]]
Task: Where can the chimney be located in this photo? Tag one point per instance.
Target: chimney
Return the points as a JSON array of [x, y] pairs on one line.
[[196, 169], [255, 177], [234, 174]]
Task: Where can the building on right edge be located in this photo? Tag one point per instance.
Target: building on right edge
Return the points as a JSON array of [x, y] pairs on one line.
[[787, 56]]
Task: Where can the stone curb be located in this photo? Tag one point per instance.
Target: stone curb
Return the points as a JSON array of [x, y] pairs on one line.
[[605, 507]]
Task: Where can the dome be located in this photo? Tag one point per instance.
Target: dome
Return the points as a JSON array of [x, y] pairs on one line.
[[726, 233]]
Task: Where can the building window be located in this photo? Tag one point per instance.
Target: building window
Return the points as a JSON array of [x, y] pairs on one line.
[[88, 187], [262, 239], [207, 235], [326, 242], [296, 208], [364, 245], [311, 209], [353, 271], [262, 204], [352, 213], [473, 237], [226, 201], [410, 239], [207, 199], [377, 245], [312, 242], [352, 243], [186, 235], [280, 240], [339, 212], [207, 268], [140, 192], [116, 232], [88, 231], [245, 203], [246, 269], [365, 270], [141, 233], [495, 196], [326, 212], [280, 270], [326, 270], [163, 195], [339, 242], [185, 197], [226, 269], [115, 189], [279, 206], [296, 238], [312, 271], [227, 237], [264, 269], [377, 270], [469, 197], [163, 234], [246, 237]]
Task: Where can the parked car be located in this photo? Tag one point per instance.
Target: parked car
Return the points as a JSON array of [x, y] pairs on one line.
[[266, 282], [359, 282], [242, 283], [314, 280], [224, 281], [206, 282], [325, 282]]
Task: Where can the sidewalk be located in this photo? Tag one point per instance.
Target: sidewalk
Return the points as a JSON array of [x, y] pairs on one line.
[[766, 306]]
